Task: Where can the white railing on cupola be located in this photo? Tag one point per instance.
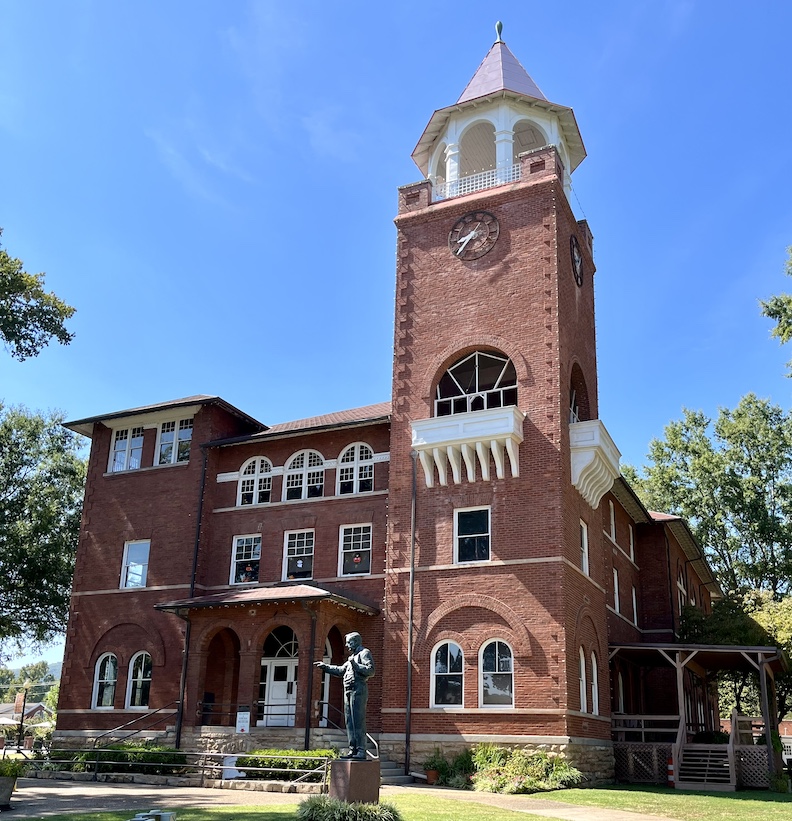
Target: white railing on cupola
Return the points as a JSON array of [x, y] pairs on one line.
[[477, 182]]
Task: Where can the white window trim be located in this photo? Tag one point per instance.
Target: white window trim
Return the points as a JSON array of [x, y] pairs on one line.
[[355, 464], [232, 568], [341, 529], [594, 685], [304, 471], [635, 606], [612, 512], [616, 597], [285, 565], [632, 542], [457, 511], [582, 685], [255, 477], [128, 450], [125, 565], [174, 461], [432, 703], [128, 697], [482, 705], [584, 548], [95, 691]]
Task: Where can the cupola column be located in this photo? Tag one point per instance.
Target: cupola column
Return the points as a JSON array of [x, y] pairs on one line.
[[504, 151], [452, 162]]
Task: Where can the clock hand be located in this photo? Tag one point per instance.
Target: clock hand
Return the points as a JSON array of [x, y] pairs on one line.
[[465, 240]]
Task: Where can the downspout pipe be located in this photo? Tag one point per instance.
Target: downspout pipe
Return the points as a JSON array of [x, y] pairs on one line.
[[187, 631], [411, 610], [311, 656]]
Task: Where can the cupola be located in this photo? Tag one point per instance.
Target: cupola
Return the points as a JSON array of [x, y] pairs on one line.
[[475, 143]]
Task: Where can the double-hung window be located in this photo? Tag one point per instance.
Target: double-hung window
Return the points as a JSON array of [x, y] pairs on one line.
[[139, 684], [245, 559], [298, 554], [584, 548], [355, 550], [134, 570], [105, 678], [447, 675], [472, 535], [497, 675], [127, 449], [304, 476], [175, 439]]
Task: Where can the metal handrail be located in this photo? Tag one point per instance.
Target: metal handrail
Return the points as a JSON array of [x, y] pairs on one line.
[[375, 755], [132, 721]]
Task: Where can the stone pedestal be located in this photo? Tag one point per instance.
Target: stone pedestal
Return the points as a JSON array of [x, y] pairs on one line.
[[357, 782]]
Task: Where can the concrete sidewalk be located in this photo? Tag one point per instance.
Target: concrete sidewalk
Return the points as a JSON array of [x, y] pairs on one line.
[[36, 798]]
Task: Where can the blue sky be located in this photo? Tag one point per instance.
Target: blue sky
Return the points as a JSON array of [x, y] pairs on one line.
[[212, 186]]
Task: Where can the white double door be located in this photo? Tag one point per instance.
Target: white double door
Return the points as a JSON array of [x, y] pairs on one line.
[[280, 676]]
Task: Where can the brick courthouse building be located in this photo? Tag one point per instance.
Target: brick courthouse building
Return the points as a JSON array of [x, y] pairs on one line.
[[475, 531]]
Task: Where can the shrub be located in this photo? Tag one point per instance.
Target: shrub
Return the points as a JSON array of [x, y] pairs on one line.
[[281, 764], [324, 808], [125, 758], [519, 771], [12, 767]]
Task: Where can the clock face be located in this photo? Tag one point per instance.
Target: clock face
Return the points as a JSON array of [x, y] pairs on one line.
[[577, 259], [473, 235]]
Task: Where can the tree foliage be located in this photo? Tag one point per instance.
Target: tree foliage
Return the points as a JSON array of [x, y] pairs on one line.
[[29, 316], [779, 309], [37, 676], [41, 485], [732, 480]]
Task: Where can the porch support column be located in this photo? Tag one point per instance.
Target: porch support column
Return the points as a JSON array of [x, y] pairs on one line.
[[247, 687], [766, 714]]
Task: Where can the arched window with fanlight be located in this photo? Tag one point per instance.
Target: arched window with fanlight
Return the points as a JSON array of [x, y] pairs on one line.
[[356, 469], [478, 381], [582, 681], [255, 482], [105, 678], [139, 683], [304, 476], [447, 675], [496, 683]]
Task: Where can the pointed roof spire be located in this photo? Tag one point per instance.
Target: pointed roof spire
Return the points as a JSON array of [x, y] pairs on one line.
[[500, 71]]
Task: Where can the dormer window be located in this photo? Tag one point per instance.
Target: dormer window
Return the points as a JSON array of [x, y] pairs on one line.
[[479, 381]]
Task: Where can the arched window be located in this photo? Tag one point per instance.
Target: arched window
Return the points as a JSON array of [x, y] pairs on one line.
[[477, 149], [476, 382], [304, 476], [582, 681], [497, 675], [105, 678], [579, 410], [594, 685], [356, 470], [255, 482], [139, 683], [447, 675]]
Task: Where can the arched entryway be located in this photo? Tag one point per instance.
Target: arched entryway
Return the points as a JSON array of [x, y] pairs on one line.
[[222, 677], [278, 680]]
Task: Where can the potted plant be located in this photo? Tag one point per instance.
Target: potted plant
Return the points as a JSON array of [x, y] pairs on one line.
[[10, 770], [434, 765]]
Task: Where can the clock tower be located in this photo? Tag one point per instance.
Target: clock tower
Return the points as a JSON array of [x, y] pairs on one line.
[[495, 580]]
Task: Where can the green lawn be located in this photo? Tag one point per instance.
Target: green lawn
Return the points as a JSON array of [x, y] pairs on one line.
[[744, 805]]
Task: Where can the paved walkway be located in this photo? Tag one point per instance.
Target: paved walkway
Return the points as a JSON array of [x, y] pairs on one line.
[[36, 798]]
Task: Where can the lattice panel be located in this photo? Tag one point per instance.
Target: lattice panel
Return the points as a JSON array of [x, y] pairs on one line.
[[642, 763], [752, 770]]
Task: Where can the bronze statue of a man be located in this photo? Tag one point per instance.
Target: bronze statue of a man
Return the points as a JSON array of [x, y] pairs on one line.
[[355, 671]]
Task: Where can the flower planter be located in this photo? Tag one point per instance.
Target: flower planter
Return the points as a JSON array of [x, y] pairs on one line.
[[6, 788], [432, 776]]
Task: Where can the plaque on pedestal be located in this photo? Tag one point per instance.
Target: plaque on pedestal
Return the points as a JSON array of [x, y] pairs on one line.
[[357, 782]]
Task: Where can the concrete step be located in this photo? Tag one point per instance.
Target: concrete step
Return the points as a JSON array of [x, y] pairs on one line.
[[397, 780]]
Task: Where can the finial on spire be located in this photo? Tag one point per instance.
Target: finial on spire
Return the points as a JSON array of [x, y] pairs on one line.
[[499, 31]]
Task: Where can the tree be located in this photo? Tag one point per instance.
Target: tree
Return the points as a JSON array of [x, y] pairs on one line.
[[41, 485], [732, 481], [779, 309], [29, 316]]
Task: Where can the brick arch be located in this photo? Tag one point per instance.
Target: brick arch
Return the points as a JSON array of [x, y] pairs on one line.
[[584, 615], [124, 640], [297, 625], [577, 382], [445, 358], [205, 637], [516, 627]]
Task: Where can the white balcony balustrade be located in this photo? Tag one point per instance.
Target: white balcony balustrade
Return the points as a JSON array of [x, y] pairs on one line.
[[469, 439], [476, 182]]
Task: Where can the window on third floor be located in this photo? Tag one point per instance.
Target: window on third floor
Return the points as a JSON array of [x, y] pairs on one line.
[[174, 441], [356, 470], [255, 482], [304, 477], [127, 449]]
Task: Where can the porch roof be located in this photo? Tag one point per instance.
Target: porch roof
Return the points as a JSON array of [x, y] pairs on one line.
[[282, 594], [708, 656]]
